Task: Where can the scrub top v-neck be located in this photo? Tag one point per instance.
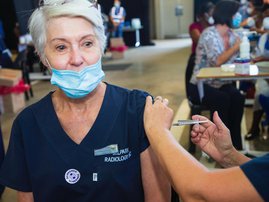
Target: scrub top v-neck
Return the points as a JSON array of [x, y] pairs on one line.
[[105, 166]]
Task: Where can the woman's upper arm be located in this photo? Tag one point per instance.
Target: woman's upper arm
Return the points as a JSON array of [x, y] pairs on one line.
[[155, 183], [195, 35], [228, 185], [25, 196]]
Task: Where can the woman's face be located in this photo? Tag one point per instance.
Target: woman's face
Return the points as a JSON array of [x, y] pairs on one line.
[[208, 15], [71, 44]]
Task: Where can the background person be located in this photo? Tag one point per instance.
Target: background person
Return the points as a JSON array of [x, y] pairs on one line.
[[204, 20], [193, 181], [117, 17], [85, 141], [219, 45], [249, 15], [262, 85]]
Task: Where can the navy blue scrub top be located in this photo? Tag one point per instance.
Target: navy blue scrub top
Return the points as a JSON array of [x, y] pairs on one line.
[[257, 171], [42, 159]]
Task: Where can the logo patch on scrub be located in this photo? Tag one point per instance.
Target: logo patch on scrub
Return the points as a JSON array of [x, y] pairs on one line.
[[72, 176], [110, 149], [121, 155]]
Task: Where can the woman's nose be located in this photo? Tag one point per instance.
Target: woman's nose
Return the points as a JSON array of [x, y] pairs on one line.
[[76, 57]]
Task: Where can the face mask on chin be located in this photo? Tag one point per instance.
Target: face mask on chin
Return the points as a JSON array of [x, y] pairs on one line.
[[77, 85]]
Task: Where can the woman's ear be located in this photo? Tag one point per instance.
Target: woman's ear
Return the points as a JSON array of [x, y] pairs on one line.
[[43, 59], [44, 62]]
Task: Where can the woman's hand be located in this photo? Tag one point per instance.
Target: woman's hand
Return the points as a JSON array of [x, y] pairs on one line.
[[157, 116], [213, 138]]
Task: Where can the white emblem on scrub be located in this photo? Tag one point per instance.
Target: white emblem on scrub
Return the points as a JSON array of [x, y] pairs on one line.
[[94, 177], [72, 176]]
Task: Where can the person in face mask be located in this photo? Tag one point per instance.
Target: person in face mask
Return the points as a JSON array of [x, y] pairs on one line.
[[117, 16], [259, 14], [219, 45], [262, 85], [204, 20], [85, 141], [248, 12]]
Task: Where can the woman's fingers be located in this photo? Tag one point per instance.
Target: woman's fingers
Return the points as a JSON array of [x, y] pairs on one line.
[[158, 98]]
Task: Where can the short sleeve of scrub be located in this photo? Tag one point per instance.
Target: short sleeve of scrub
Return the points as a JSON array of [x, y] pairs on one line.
[[257, 171], [140, 97]]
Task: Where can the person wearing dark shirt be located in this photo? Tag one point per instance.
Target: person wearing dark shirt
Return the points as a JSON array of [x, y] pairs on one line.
[[85, 141], [204, 20], [242, 180]]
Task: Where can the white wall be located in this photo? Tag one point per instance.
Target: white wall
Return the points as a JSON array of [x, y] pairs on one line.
[[167, 24]]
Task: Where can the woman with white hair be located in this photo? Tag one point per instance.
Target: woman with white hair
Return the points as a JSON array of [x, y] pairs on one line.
[[85, 141]]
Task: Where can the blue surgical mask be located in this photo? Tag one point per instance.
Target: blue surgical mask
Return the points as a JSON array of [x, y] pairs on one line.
[[237, 19], [78, 84]]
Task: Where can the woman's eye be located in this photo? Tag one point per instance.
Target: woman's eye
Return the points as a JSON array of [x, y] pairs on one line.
[[61, 48], [88, 44]]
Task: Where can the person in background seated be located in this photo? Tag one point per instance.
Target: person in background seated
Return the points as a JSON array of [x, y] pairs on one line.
[[262, 85], [260, 14], [219, 45], [85, 141], [117, 17], [250, 15], [243, 179]]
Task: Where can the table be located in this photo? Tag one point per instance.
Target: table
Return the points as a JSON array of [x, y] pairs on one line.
[[212, 73], [137, 33]]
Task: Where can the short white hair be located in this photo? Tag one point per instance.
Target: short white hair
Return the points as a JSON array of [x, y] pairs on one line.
[[59, 8]]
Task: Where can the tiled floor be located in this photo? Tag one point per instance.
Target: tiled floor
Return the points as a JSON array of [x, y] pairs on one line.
[[157, 69]]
